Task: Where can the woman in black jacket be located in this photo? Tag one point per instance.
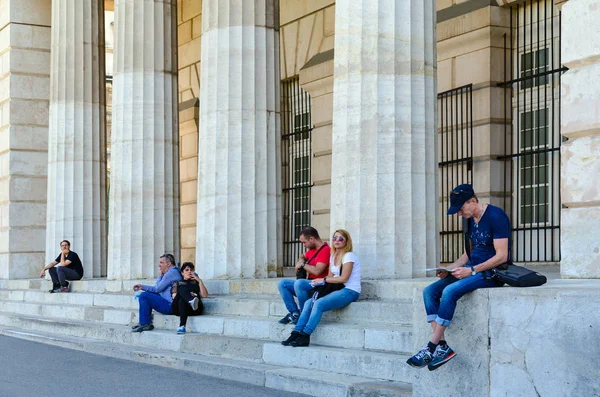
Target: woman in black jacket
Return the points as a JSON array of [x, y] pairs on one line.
[[186, 295]]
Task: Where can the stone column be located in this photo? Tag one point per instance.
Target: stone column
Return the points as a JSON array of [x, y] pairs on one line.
[[144, 186], [76, 208], [238, 225], [24, 93], [580, 123], [384, 134]]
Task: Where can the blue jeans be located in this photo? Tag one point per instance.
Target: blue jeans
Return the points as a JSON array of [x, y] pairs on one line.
[[149, 301], [313, 310], [290, 288], [441, 297]]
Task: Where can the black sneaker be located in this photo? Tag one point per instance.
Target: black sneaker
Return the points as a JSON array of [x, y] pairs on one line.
[[302, 340], [421, 359], [442, 354], [143, 327], [55, 288], [291, 317], [292, 337]]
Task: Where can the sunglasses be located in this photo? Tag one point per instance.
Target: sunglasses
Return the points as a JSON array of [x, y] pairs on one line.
[[340, 238]]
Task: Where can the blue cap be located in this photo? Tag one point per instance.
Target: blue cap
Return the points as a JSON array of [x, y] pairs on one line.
[[459, 196]]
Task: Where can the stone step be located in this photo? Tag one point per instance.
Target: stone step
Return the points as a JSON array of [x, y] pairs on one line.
[[369, 335], [371, 289], [393, 312], [385, 366], [310, 382]]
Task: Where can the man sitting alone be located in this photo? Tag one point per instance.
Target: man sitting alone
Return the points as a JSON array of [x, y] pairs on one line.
[[70, 268], [157, 297], [316, 263], [489, 236]]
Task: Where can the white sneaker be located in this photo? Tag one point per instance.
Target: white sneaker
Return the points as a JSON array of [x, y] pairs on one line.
[[194, 303]]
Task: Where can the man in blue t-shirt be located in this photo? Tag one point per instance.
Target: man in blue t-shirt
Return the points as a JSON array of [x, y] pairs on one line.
[[489, 237]]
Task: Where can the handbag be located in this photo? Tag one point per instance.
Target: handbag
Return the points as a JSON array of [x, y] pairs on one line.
[[302, 273], [507, 273], [325, 289]]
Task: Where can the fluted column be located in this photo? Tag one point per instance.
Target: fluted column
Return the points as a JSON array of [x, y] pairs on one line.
[[239, 162], [76, 208], [384, 134], [144, 186]]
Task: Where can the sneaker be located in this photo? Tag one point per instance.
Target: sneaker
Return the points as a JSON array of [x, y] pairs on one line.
[[292, 337], [302, 340], [291, 317], [194, 303], [442, 354], [143, 327], [181, 330], [63, 289], [55, 288], [421, 359]]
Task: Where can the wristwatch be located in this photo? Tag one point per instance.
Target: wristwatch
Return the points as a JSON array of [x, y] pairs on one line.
[[473, 271], [303, 263]]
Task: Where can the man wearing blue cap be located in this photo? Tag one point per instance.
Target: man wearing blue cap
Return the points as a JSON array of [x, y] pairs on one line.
[[489, 236]]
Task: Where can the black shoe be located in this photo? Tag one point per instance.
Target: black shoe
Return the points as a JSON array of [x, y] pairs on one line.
[[301, 340], [289, 318], [55, 288], [143, 327], [292, 337]]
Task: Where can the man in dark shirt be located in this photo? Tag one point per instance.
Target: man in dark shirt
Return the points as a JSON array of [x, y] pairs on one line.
[[70, 268], [489, 236]]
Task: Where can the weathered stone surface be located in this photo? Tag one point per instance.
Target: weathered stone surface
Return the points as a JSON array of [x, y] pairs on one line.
[[384, 134], [580, 247]]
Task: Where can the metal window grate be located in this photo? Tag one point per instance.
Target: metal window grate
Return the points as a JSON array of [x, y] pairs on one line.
[[455, 151], [532, 133], [296, 155]]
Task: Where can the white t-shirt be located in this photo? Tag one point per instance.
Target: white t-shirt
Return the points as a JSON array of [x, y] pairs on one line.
[[353, 282]]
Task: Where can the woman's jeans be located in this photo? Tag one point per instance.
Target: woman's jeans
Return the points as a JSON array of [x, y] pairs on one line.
[[290, 288], [313, 310], [441, 297]]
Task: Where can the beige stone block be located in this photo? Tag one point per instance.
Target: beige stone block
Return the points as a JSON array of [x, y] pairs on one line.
[[580, 165], [483, 17], [186, 95], [321, 168], [289, 40], [189, 53], [28, 189], [445, 78], [317, 80], [188, 237], [26, 112], [321, 197], [329, 21], [321, 138], [4, 193], [490, 36], [442, 4], [184, 32], [197, 26], [190, 9], [189, 145], [580, 246], [190, 113], [488, 140], [4, 164], [34, 12], [188, 254], [27, 239], [21, 265], [290, 10], [327, 44], [195, 80], [488, 176], [28, 61], [26, 87], [306, 28], [580, 113], [188, 169], [26, 37], [489, 102], [321, 223], [27, 214], [189, 191], [188, 214], [26, 138], [28, 163], [322, 109], [188, 127], [184, 81]]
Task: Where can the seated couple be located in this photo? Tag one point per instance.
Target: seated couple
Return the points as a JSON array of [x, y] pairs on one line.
[[175, 292], [66, 266], [336, 268]]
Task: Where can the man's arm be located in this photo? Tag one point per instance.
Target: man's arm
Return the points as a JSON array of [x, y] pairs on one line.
[[501, 247], [162, 283], [316, 269], [460, 262], [48, 266]]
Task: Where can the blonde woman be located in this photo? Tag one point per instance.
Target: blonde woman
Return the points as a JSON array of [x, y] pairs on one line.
[[344, 270]]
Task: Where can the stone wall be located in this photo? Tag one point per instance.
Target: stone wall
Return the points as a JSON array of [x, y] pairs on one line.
[[518, 342]]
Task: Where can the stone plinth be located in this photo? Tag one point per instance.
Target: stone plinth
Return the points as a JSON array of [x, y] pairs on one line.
[[77, 135], [239, 182], [24, 94], [383, 188], [144, 186], [580, 160]]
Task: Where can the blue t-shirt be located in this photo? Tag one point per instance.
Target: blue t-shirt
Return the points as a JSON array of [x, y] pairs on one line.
[[494, 224]]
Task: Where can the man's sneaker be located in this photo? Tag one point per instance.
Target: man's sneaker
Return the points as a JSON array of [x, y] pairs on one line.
[[55, 288], [421, 359], [291, 317], [194, 303], [442, 354], [143, 327], [63, 289], [292, 337], [181, 330]]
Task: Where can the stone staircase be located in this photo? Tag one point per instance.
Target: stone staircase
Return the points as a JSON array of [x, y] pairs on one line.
[[356, 351]]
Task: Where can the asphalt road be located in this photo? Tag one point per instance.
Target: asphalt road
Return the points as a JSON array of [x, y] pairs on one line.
[[31, 369]]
